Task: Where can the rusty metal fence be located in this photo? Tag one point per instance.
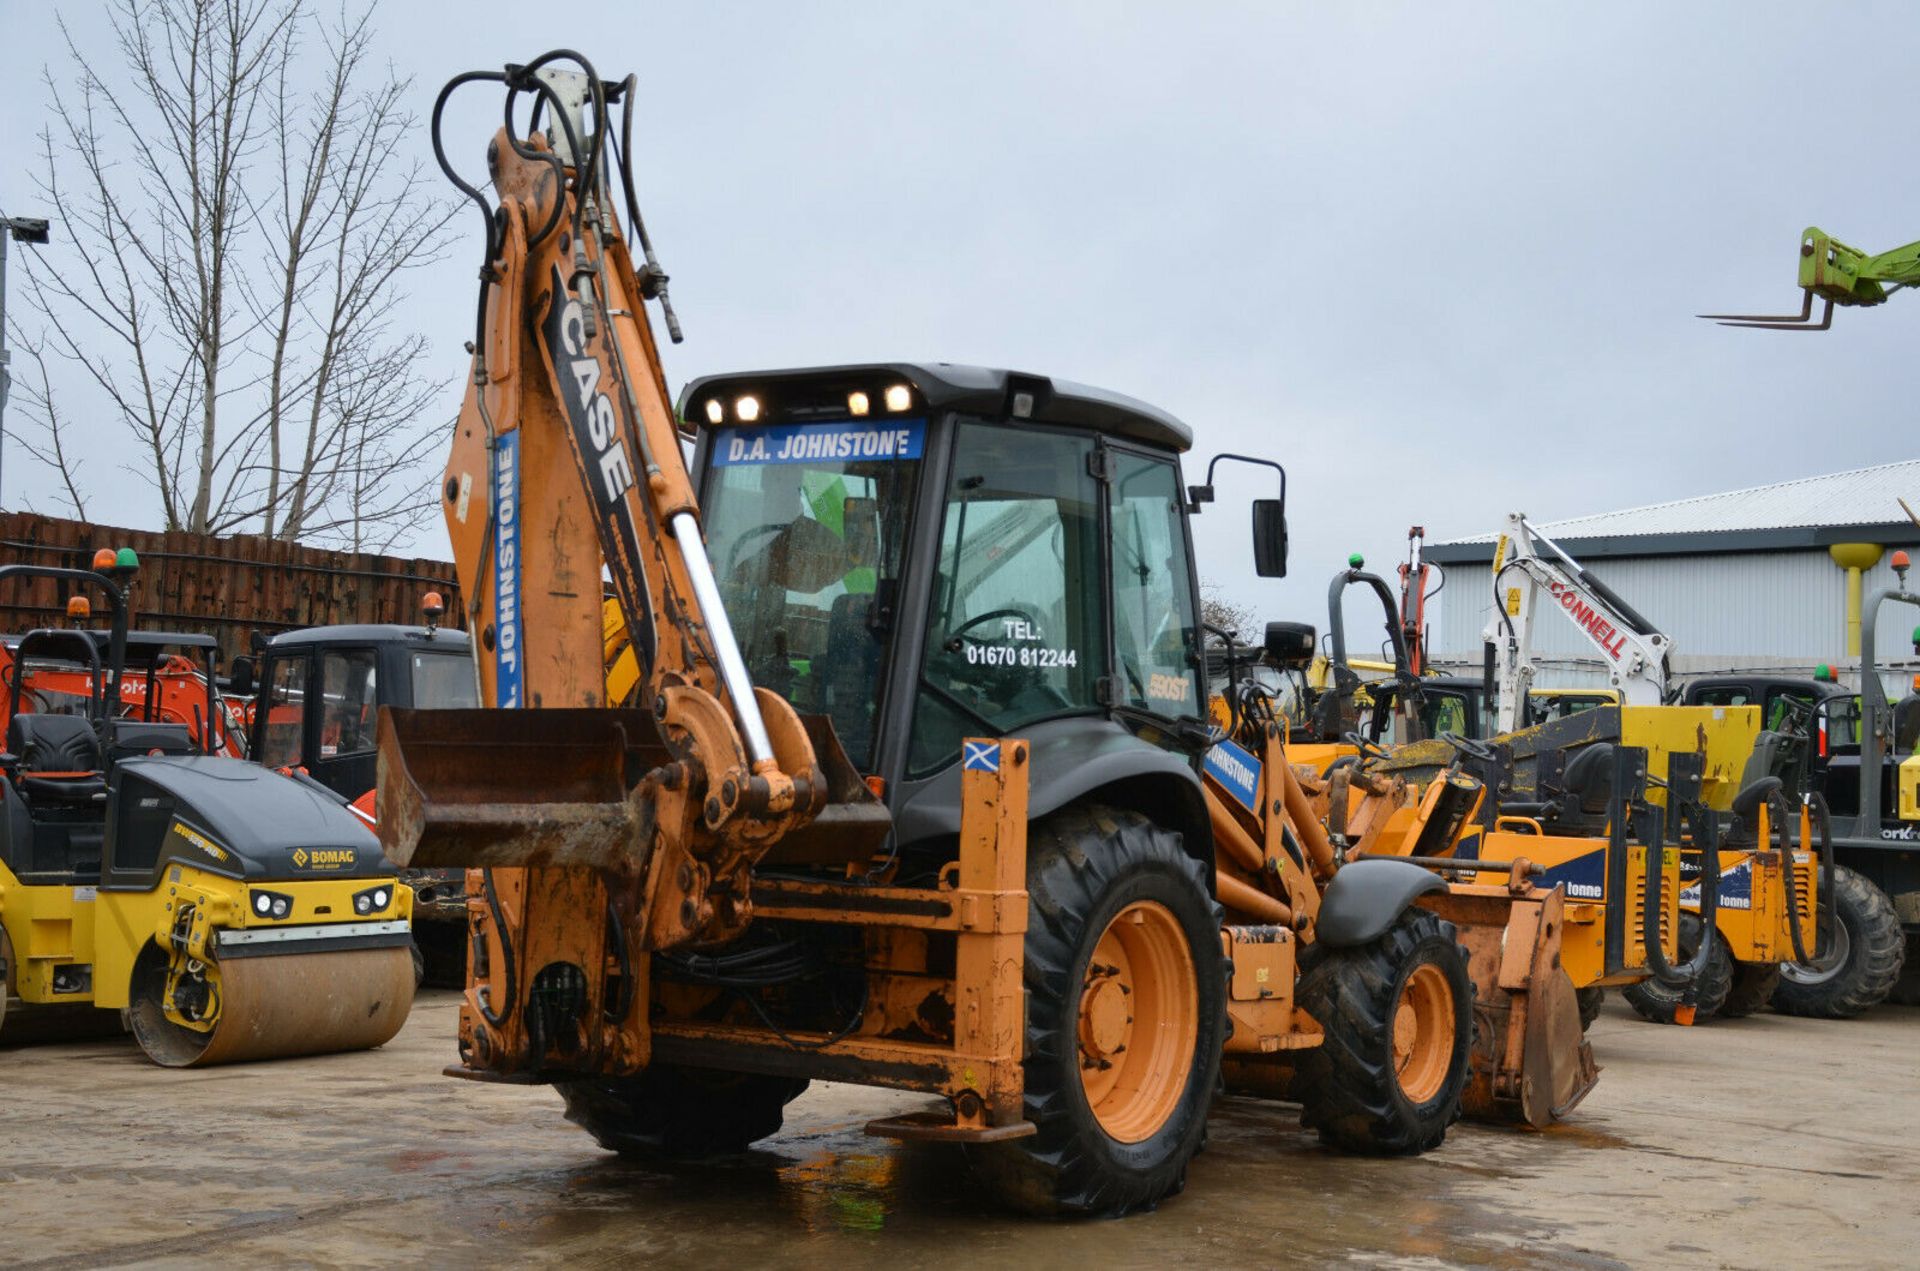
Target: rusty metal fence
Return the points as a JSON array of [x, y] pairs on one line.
[[229, 588]]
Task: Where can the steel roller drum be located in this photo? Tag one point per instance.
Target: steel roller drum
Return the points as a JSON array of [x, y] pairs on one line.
[[297, 1004]]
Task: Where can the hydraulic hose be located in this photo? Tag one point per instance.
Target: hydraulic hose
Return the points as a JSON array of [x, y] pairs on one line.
[[1706, 837], [1815, 804], [481, 997]]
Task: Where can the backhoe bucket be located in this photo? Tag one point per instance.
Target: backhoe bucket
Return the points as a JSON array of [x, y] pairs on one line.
[[501, 788], [1531, 1062]]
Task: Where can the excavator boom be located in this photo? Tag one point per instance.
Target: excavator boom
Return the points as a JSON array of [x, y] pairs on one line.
[[567, 481]]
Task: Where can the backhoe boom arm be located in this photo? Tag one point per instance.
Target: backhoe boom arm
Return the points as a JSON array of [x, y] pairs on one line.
[[567, 479]]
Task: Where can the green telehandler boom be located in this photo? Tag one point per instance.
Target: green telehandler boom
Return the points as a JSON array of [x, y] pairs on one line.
[[1838, 275]]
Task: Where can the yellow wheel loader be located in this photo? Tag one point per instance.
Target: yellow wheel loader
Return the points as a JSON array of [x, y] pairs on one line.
[[1387, 786], [907, 790], [230, 912]]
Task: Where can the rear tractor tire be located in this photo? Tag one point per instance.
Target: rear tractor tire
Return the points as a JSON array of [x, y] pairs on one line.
[[1863, 964], [1660, 1002], [673, 1113], [1398, 1017], [1126, 1017]]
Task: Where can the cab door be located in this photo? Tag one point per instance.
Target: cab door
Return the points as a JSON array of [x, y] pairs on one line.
[[347, 710], [280, 716], [1157, 657]]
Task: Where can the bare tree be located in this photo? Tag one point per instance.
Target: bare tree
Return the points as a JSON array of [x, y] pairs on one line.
[[241, 217], [1217, 611], [47, 440]]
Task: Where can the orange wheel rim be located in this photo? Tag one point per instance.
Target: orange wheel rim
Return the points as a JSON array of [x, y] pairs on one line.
[[1423, 1033], [1139, 1022]]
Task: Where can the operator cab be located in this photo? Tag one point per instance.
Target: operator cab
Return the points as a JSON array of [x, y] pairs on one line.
[[318, 694], [928, 553]]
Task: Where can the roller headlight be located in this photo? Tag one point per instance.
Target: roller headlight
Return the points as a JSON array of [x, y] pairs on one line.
[[373, 899], [271, 904]]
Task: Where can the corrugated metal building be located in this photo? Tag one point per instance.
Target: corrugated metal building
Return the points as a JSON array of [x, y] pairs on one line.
[[1738, 580]]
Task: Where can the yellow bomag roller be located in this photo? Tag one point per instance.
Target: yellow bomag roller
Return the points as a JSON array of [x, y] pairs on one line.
[[231, 912]]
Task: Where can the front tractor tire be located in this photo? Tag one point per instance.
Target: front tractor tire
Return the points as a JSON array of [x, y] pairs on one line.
[[1862, 964], [672, 1113], [1126, 1017], [1398, 1018]]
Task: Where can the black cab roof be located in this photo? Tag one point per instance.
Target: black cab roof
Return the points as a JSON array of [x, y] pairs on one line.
[[143, 647], [372, 633], [1763, 683], [804, 394]]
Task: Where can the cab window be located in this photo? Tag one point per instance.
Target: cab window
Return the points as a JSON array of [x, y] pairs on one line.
[[280, 713], [806, 525], [1446, 713], [351, 703], [1156, 635], [1015, 632], [444, 681], [1786, 707]]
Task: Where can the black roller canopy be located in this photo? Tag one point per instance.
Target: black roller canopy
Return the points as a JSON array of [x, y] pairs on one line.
[[258, 814]]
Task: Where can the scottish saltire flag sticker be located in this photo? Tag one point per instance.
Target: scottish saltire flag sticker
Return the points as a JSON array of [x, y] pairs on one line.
[[980, 756]]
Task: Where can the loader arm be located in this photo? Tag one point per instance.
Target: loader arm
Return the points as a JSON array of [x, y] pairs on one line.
[[567, 478], [1633, 650]]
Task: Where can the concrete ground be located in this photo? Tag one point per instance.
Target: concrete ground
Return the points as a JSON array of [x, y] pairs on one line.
[[1744, 1143]]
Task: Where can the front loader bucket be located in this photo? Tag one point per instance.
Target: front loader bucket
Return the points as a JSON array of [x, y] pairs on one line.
[[487, 788], [1531, 1062]]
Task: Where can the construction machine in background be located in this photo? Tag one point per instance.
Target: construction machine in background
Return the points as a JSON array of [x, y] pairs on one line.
[[1634, 651], [1851, 759], [910, 791], [1769, 862], [231, 912], [317, 693], [1835, 274], [1554, 779], [168, 678]]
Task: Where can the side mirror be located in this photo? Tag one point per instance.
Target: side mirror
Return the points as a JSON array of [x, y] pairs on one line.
[[240, 676], [1291, 644], [1270, 538]]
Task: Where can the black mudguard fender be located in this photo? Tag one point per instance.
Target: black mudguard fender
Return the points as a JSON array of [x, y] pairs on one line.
[[1368, 896]]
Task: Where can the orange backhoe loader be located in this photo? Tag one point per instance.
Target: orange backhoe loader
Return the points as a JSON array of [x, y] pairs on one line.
[[909, 792]]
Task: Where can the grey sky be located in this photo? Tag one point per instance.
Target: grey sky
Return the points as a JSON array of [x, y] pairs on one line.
[[1438, 260]]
